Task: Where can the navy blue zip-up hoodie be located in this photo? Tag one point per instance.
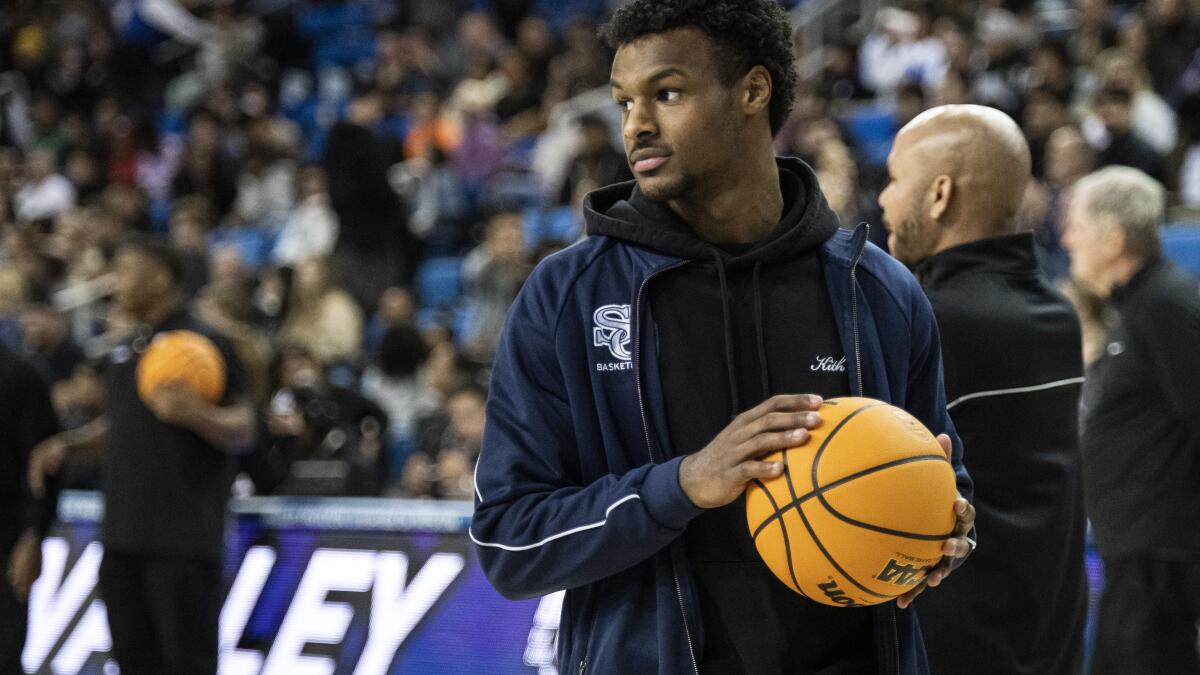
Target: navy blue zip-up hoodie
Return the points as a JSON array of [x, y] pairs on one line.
[[577, 486]]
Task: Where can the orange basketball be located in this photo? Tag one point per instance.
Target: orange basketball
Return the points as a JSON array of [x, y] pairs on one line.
[[186, 356], [861, 510]]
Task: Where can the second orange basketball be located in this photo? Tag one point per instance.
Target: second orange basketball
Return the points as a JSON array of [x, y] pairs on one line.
[[862, 509], [185, 356]]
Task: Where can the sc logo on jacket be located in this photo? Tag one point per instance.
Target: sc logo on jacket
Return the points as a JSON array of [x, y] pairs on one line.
[[612, 332]]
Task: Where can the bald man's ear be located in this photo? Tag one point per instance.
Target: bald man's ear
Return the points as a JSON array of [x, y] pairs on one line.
[[941, 192], [755, 91]]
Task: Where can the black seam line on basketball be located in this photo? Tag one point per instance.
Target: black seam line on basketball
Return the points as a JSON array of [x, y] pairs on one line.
[[824, 444], [836, 566], [821, 496], [787, 546], [842, 481], [787, 474]]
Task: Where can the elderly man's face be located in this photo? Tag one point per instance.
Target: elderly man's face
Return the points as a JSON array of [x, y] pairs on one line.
[[1092, 246]]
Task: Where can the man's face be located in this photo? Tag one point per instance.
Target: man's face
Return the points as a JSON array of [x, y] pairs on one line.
[[1042, 116], [1067, 157], [678, 121], [912, 235], [1089, 245], [1116, 116], [41, 327], [467, 415], [138, 282]]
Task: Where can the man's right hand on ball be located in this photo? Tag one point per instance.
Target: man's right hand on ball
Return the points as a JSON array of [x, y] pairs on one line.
[[718, 473]]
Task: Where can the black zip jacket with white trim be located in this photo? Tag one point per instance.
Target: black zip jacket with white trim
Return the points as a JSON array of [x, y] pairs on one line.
[[1013, 369]]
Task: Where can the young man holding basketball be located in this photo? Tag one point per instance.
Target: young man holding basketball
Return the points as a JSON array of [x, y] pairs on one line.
[[168, 469], [1011, 350], [644, 371]]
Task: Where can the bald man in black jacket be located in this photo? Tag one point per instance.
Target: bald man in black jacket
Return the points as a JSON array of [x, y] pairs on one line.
[[1013, 370]]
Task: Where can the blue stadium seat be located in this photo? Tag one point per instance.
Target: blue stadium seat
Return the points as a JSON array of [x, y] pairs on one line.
[[439, 282], [399, 449], [561, 224], [341, 33], [871, 129], [1181, 243], [255, 244]]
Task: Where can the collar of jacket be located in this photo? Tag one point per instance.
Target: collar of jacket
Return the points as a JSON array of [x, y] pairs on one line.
[[1009, 255], [1121, 293], [842, 250]]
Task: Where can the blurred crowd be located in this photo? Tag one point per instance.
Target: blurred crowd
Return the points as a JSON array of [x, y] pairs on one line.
[[359, 189]]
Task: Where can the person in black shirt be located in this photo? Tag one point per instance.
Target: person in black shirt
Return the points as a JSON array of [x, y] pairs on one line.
[[47, 343], [1114, 107], [168, 466], [375, 248], [1011, 348], [28, 419], [1140, 422]]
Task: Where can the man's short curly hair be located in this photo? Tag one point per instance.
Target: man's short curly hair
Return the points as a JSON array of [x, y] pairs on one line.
[[746, 33]]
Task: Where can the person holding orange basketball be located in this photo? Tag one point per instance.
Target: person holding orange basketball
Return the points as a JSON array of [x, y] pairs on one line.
[[644, 373], [169, 465], [1011, 348]]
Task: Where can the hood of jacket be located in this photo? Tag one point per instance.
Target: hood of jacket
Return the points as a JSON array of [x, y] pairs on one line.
[[622, 212]]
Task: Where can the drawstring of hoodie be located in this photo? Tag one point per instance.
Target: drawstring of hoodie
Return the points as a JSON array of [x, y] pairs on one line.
[[759, 333], [730, 368], [758, 330]]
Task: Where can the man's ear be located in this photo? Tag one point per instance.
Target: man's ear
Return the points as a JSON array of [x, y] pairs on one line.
[[755, 91], [941, 191], [1113, 240]]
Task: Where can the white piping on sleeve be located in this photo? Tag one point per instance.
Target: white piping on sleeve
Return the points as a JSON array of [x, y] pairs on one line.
[[1017, 390], [475, 477], [560, 535]]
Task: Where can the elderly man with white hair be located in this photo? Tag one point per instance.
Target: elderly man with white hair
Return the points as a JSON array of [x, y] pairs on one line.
[[1140, 426]]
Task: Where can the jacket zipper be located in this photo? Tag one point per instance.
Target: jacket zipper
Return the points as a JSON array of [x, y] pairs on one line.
[[895, 639], [582, 665], [854, 316], [861, 392], [650, 451]]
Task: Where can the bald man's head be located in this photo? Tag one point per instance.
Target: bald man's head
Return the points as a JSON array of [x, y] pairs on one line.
[[957, 173]]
